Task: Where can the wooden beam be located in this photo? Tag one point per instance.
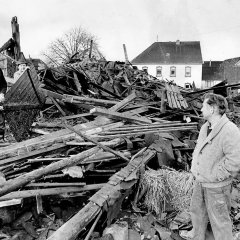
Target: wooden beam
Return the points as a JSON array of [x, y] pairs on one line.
[[48, 191], [58, 106], [77, 83], [94, 101], [32, 154], [119, 116], [124, 102], [103, 146], [60, 184]]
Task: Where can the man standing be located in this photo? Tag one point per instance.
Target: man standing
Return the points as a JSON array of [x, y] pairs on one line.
[[216, 160], [3, 90]]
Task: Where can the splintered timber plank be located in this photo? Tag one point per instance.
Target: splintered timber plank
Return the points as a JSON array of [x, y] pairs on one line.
[[123, 103], [71, 229], [76, 99], [32, 154], [175, 95], [119, 116], [48, 191], [169, 99]]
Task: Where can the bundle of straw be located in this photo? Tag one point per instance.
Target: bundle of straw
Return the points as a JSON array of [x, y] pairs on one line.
[[180, 185], [167, 185]]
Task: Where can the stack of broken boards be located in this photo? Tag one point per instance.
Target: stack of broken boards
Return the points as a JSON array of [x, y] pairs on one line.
[[98, 141]]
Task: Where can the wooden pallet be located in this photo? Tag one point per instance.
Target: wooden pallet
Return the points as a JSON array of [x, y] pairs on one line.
[[174, 97]]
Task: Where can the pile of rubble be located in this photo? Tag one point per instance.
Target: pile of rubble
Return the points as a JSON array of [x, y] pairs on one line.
[[84, 134]]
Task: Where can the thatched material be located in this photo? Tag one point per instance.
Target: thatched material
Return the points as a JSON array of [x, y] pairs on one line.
[[167, 185], [20, 122]]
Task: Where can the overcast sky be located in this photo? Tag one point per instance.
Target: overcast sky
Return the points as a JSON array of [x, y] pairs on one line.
[[137, 23]]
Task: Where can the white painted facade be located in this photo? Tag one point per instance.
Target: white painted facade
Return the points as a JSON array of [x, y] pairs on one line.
[[180, 77]]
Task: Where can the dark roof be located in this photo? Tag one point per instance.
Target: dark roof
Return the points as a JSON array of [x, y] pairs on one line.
[[35, 62], [171, 53], [231, 61], [211, 70]]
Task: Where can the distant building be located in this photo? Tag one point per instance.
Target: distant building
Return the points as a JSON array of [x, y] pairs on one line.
[[7, 65], [38, 63], [231, 70], [212, 73], [177, 61]]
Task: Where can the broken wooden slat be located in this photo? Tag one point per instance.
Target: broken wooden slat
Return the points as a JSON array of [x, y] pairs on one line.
[[93, 101], [47, 125], [139, 132], [104, 147], [123, 103], [10, 202], [50, 184], [119, 116], [148, 126], [58, 106], [108, 143], [49, 191], [169, 99], [76, 116], [32, 154], [77, 83]]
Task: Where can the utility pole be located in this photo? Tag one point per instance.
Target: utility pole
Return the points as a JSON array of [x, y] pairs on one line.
[[125, 53], [16, 38]]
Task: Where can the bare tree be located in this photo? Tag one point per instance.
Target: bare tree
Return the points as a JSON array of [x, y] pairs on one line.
[[76, 43]]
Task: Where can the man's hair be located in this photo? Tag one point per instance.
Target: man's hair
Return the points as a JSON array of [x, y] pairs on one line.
[[217, 100]]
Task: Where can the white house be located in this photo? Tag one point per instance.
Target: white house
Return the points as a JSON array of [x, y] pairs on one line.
[[177, 61]]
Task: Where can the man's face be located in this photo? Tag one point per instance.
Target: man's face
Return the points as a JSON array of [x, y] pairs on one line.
[[206, 110], [22, 67]]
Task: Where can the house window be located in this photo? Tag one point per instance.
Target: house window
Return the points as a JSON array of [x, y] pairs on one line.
[[188, 85], [172, 71], [158, 71], [145, 69], [187, 71]]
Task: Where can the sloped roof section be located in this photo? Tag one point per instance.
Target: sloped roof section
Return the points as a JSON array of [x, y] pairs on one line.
[[231, 61], [171, 53], [212, 70]]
